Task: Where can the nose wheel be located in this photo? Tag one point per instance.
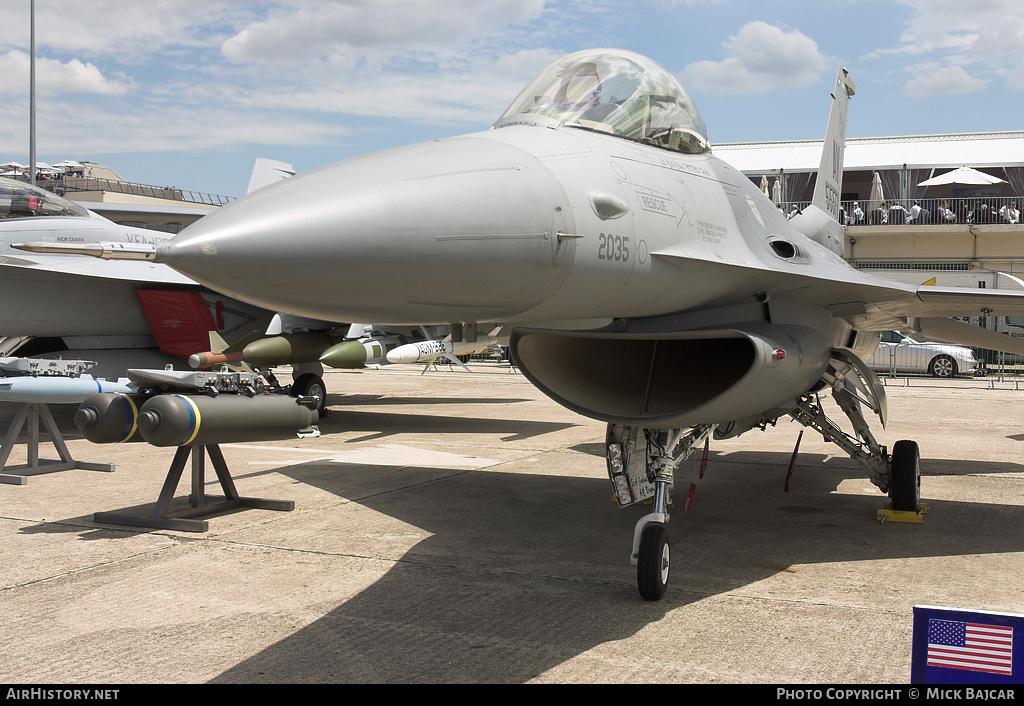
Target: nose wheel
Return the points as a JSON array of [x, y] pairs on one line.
[[651, 547], [652, 566]]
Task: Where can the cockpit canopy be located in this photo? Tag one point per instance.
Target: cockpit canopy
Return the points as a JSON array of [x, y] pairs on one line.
[[617, 92], [21, 200]]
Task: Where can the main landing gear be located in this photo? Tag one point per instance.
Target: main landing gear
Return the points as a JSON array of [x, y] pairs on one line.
[[642, 462], [854, 384]]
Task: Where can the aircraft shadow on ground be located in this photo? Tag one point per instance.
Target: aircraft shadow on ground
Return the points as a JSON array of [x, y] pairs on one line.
[[524, 572], [356, 400], [379, 425], [383, 423]]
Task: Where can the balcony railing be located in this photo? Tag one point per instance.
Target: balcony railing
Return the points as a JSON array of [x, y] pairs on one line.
[[977, 210], [71, 185]]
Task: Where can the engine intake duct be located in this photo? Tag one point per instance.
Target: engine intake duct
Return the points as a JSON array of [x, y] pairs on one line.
[[672, 380]]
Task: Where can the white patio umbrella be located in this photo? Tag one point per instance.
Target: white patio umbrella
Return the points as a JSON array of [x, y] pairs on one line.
[[764, 186], [877, 197], [962, 175], [777, 193]]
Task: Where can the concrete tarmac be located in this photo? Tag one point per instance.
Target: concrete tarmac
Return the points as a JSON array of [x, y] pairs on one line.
[[456, 527]]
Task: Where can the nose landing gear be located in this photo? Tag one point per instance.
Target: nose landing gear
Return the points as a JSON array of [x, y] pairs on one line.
[[647, 473]]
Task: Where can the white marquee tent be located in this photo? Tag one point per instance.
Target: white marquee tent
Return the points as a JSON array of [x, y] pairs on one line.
[[925, 156]]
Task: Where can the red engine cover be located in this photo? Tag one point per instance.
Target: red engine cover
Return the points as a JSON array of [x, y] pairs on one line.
[[180, 319]]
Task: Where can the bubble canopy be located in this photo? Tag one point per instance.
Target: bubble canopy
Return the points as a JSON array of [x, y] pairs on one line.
[[20, 200], [615, 92]]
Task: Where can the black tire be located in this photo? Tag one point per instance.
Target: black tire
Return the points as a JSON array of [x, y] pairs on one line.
[[652, 567], [905, 476], [311, 385], [942, 366]]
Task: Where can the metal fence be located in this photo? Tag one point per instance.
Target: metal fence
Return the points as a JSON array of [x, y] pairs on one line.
[[70, 185], [975, 210]]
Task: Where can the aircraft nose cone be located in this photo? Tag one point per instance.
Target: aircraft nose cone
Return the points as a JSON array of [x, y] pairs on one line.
[[456, 230]]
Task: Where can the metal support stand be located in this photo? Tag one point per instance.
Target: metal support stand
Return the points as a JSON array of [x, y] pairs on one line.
[[30, 413], [191, 520]]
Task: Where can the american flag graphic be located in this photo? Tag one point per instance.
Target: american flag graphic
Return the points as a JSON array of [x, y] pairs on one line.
[[973, 646]]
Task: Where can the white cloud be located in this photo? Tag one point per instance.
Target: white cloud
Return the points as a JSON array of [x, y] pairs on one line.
[[125, 30], [471, 92], [1015, 78], [964, 45], [53, 76], [758, 59], [945, 81], [317, 29]]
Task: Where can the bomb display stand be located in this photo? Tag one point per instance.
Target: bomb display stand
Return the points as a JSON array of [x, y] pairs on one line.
[[36, 383], [196, 412], [200, 504]]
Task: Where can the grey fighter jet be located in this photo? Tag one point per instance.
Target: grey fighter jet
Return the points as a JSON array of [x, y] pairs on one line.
[[645, 282]]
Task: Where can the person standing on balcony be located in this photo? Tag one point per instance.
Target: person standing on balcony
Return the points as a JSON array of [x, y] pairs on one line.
[[915, 213], [881, 216], [898, 214], [1009, 213]]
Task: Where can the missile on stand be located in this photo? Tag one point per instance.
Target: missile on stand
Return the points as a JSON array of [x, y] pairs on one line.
[[56, 389], [360, 353], [288, 349], [429, 351]]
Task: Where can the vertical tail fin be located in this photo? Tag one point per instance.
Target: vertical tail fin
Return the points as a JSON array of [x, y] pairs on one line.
[[268, 171], [829, 184], [820, 221]]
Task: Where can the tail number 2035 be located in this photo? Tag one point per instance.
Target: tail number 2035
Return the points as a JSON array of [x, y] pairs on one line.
[[613, 247]]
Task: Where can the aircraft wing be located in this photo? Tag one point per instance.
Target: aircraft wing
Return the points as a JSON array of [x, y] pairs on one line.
[[960, 301], [928, 302], [868, 303]]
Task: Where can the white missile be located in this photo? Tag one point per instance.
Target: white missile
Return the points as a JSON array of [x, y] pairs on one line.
[[57, 389], [429, 351]]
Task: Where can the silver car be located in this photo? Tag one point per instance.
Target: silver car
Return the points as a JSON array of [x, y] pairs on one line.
[[897, 353]]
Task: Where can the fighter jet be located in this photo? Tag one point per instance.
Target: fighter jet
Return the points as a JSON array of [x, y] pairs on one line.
[[122, 314], [113, 310], [646, 283]]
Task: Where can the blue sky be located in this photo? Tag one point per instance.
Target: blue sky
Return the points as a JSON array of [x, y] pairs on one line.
[[190, 92]]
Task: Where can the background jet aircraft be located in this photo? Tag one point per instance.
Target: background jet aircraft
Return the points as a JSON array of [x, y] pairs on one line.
[[120, 314], [140, 312], [647, 283]]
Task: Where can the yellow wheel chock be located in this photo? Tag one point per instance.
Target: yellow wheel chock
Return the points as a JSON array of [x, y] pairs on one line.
[[890, 515]]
